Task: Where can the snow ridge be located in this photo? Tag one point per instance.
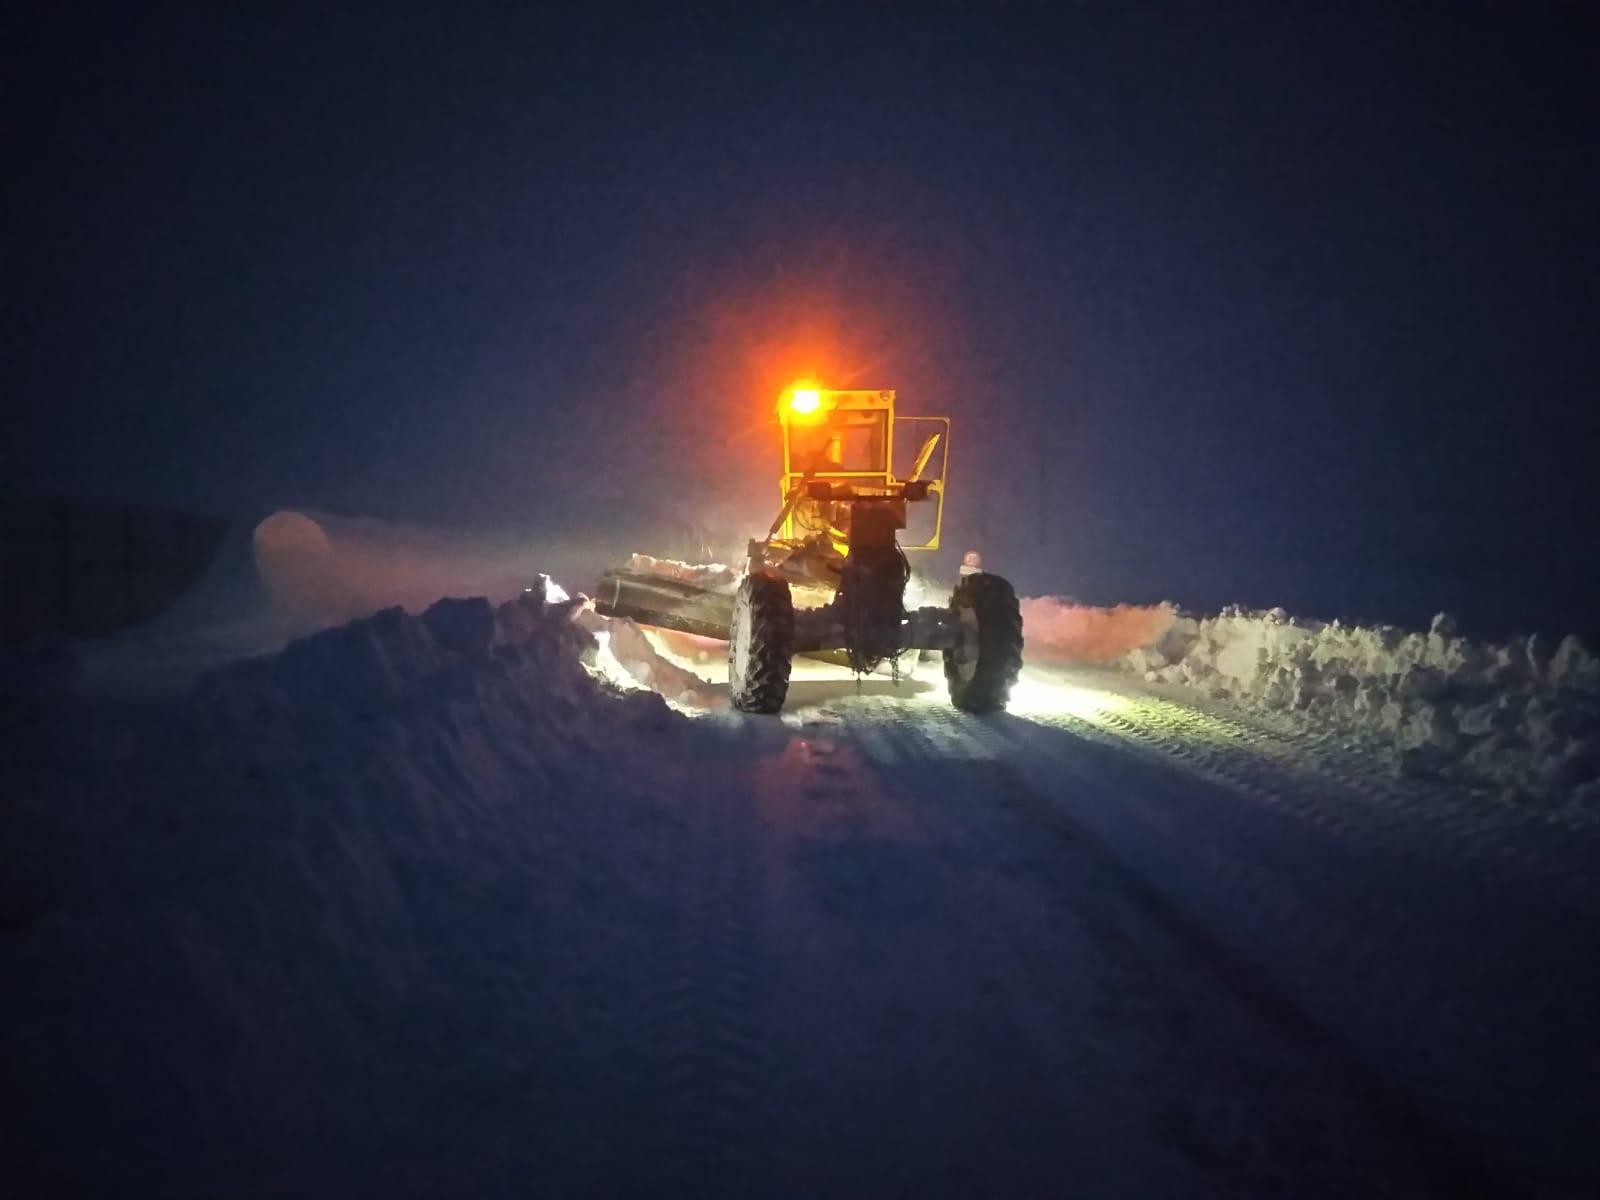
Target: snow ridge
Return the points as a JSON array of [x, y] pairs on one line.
[[318, 865], [1519, 718]]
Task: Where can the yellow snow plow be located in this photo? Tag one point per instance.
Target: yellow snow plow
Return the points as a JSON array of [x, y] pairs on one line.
[[830, 575]]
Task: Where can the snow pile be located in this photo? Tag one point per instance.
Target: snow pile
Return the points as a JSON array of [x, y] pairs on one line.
[[1058, 631], [628, 658], [713, 577], [529, 651], [1522, 717], [274, 911]]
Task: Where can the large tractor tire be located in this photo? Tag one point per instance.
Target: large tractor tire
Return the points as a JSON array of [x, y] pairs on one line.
[[760, 644], [982, 666]]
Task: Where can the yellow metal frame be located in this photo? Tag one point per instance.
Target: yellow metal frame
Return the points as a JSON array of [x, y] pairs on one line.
[[830, 402]]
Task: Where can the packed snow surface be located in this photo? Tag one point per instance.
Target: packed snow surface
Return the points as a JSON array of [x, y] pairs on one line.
[[464, 903]]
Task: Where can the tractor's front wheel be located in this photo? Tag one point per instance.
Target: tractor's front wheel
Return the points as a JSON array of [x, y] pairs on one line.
[[983, 664], [760, 644]]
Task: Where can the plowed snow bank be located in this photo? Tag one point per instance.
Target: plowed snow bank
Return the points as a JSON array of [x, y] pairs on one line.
[[1521, 717], [276, 911]]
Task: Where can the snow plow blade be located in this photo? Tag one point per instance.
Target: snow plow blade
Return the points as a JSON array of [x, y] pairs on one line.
[[667, 603]]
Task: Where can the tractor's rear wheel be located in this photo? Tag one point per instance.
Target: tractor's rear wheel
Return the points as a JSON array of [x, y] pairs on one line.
[[981, 667], [760, 644]]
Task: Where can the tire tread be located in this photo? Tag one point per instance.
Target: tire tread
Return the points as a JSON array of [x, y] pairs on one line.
[[999, 645], [765, 684]]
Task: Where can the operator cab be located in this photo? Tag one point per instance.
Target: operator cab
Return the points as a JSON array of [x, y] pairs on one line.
[[843, 447]]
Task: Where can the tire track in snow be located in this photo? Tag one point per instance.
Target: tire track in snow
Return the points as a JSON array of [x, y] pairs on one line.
[[1367, 1109], [1407, 957], [1358, 792], [1227, 1059], [937, 1035], [708, 1058]]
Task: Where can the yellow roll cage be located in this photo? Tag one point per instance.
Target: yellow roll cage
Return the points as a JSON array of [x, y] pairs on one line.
[[847, 438]]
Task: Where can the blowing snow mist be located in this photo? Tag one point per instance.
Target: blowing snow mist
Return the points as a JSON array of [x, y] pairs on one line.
[[324, 569], [1060, 632]]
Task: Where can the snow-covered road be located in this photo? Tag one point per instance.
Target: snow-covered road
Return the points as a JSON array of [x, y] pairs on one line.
[[1146, 947], [395, 914]]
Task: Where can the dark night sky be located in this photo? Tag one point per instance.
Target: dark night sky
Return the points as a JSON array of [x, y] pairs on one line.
[[1253, 281]]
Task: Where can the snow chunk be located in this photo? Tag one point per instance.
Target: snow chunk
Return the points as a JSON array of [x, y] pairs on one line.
[[628, 658], [715, 577]]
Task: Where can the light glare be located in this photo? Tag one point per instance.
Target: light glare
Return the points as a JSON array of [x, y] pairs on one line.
[[1033, 696]]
